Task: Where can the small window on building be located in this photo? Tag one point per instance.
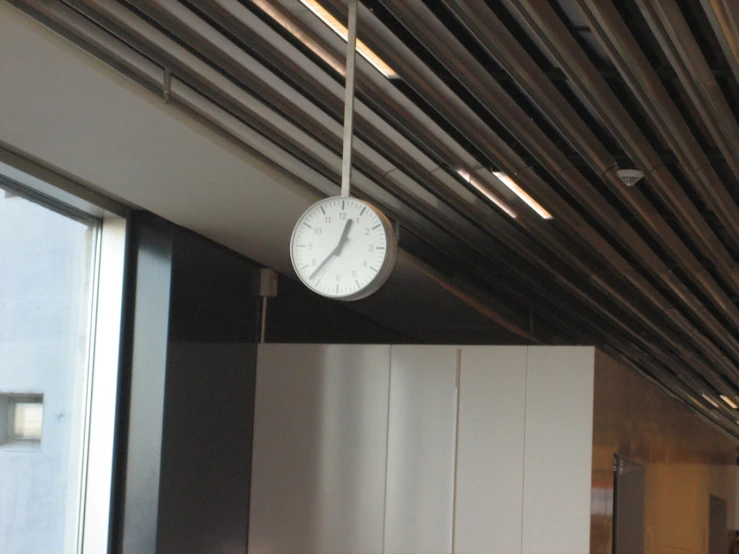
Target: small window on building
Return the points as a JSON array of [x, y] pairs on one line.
[[27, 416], [24, 418]]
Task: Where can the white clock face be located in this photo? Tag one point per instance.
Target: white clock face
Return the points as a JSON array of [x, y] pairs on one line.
[[343, 248]]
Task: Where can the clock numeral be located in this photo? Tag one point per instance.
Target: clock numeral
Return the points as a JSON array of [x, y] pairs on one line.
[[354, 274], [338, 277], [328, 219], [371, 247], [365, 263], [366, 231], [342, 216], [310, 246], [313, 261], [318, 230]]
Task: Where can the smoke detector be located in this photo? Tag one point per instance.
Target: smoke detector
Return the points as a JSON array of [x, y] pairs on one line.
[[630, 177]]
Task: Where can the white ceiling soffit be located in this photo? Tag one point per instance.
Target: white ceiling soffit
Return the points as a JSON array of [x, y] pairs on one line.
[[60, 105], [86, 121]]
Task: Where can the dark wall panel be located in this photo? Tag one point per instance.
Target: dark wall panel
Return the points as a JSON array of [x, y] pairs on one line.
[[206, 451], [142, 390], [209, 403], [297, 315]]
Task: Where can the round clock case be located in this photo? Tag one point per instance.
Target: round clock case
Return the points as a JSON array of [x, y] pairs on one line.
[[343, 248]]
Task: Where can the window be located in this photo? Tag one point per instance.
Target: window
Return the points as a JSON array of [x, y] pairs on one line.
[[23, 416], [52, 300]]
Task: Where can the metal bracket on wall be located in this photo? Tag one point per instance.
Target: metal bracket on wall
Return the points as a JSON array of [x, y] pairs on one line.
[[267, 288]]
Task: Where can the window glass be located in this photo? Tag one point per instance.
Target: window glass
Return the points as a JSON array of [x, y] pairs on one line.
[[46, 278], [28, 418]]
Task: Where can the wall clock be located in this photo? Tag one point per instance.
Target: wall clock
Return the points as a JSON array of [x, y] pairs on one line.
[[343, 248]]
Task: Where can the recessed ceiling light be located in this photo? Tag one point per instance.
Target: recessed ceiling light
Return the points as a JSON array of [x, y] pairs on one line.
[[518, 191], [321, 13], [710, 400], [295, 31], [487, 192], [729, 401]]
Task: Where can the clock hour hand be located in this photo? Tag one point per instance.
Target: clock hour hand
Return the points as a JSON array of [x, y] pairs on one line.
[[336, 251], [344, 236]]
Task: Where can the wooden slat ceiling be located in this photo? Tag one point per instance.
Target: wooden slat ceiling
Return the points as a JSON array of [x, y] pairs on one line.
[[557, 94]]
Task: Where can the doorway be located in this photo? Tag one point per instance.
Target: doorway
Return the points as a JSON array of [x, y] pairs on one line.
[[628, 507]]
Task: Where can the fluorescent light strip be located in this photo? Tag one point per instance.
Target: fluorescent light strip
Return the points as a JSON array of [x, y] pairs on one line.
[[710, 401], [729, 401], [486, 191], [518, 191], [316, 48], [340, 30]]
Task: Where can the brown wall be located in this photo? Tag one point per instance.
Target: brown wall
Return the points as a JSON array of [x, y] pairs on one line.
[[686, 460]]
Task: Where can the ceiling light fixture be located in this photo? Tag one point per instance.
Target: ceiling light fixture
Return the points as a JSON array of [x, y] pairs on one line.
[[295, 31], [488, 194], [321, 13], [630, 177], [710, 400], [518, 191], [729, 401]]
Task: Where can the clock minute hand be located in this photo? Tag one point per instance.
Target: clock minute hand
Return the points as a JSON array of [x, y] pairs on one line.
[[336, 251]]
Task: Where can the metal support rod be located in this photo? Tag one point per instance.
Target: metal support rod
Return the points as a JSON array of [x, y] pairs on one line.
[[263, 324], [351, 48]]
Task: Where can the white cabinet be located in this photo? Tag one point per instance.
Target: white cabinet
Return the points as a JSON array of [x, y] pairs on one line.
[[422, 450], [421, 443], [559, 448], [490, 450], [320, 436]]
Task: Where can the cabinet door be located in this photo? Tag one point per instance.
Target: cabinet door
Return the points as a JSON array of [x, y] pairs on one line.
[[421, 443], [490, 449], [559, 448], [320, 436]]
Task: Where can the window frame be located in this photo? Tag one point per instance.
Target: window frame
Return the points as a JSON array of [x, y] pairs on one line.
[[94, 496]]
